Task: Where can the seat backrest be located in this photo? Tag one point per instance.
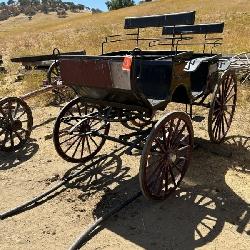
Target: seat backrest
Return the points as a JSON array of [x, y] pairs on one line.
[[186, 18], [193, 29]]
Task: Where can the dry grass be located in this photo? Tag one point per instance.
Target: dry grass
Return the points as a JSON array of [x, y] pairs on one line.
[[20, 37]]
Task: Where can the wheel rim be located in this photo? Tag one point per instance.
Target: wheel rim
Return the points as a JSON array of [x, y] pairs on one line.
[[222, 108], [74, 137], [15, 123], [54, 74], [166, 155]]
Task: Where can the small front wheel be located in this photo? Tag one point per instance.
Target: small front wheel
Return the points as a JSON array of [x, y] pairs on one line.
[[166, 155], [16, 123], [75, 131]]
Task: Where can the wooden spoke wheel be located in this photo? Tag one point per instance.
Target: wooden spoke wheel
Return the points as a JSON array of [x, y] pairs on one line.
[[222, 107], [166, 155], [74, 130], [16, 123], [53, 74]]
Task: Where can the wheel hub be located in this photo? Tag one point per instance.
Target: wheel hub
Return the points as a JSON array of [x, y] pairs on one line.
[[84, 128], [172, 157], [13, 125], [16, 125]]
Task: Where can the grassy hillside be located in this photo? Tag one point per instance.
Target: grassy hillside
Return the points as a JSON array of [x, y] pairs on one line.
[[19, 36]]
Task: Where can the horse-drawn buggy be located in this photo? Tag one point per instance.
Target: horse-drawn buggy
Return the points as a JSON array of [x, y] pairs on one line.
[[130, 86]]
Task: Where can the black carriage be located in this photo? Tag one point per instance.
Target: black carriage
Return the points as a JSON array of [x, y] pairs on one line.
[[130, 86]]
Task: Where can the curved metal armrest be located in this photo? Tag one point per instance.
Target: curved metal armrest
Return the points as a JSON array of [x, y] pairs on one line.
[[194, 64]]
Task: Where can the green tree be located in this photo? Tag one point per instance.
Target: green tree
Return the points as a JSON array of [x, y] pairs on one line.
[[117, 4], [23, 3], [10, 2]]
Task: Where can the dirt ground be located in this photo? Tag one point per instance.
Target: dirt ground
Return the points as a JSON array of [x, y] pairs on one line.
[[209, 211]]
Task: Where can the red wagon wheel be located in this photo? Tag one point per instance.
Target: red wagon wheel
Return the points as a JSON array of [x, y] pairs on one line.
[[74, 130], [16, 123], [222, 107], [166, 155]]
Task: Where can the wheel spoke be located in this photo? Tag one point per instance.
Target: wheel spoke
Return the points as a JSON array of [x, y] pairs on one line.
[[217, 127], [215, 117], [2, 132], [175, 165], [2, 112], [176, 129], [162, 148], [185, 148], [90, 137], [79, 110], [219, 130], [229, 92], [164, 137], [10, 110], [230, 113], [6, 138], [18, 136], [170, 131], [179, 133], [68, 139], [229, 98], [166, 178], [88, 145], [154, 171], [159, 183], [11, 140], [77, 146], [172, 176], [152, 163], [216, 122], [72, 144], [16, 110], [23, 113], [224, 115], [222, 126]]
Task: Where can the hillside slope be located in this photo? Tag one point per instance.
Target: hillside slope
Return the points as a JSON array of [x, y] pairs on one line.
[[19, 36]]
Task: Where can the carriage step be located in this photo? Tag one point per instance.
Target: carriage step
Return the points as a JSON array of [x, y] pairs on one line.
[[198, 118]]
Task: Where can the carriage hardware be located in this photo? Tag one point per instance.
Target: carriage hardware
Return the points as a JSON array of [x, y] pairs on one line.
[[56, 54]]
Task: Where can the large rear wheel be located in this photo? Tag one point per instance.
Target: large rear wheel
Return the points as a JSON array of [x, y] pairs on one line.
[[166, 155], [222, 107]]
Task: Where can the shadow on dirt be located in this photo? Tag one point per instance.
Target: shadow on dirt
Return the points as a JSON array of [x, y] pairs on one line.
[[10, 160], [45, 122], [191, 218]]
